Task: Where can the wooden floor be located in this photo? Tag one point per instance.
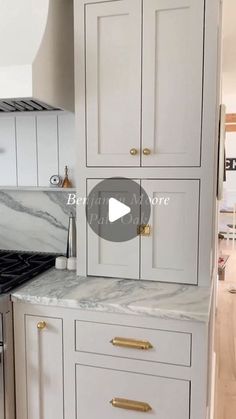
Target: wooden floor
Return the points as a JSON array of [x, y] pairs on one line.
[[226, 341]]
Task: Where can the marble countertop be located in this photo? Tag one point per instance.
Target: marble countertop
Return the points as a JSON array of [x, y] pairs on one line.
[[156, 299]]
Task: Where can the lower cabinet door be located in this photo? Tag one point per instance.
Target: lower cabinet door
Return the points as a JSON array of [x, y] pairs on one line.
[[8, 368], [170, 252], [169, 248], [110, 394], [112, 257], [44, 368]]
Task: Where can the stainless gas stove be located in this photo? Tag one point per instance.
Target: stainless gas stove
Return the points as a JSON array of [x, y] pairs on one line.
[[18, 267], [15, 269]]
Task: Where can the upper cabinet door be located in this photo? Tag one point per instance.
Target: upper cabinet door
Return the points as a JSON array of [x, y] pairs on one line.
[[113, 82], [172, 82], [170, 253]]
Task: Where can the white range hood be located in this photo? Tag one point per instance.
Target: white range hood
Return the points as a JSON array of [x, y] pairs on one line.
[[36, 55]]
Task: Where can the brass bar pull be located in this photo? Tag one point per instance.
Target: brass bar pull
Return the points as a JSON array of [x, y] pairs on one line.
[[41, 325], [130, 405], [144, 230], [131, 343]]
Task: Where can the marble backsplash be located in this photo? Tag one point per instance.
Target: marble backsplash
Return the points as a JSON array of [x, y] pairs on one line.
[[34, 220]]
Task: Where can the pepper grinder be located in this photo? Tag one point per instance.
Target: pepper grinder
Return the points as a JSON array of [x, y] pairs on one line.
[[71, 238], [66, 182]]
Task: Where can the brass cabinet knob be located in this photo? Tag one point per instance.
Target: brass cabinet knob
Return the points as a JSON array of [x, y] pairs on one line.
[[41, 325], [146, 151], [131, 405], [133, 151]]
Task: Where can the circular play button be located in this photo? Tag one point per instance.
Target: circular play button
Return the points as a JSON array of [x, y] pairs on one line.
[[116, 208]]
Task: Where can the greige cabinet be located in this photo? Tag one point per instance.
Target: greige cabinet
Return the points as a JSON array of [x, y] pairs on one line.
[[172, 82], [6, 354], [40, 377], [143, 92], [127, 395], [111, 258], [113, 82], [108, 365], [147, 108], [169, 253]]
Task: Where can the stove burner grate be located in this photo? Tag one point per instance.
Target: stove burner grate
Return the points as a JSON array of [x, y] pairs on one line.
[[18, 267]]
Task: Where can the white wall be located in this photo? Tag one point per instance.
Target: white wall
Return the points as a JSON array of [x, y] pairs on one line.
[[33, 147], [229, 49], [230, 184], [229, 91]]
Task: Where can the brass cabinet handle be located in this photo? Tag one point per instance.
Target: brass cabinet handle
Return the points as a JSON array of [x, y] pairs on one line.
[[146, 151], [130, 405], [133, 151], [144, 230], [131, 343], [41, 325]]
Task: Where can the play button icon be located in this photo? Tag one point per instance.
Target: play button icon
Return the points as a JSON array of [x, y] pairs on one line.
[[116, 207], [117, 210]]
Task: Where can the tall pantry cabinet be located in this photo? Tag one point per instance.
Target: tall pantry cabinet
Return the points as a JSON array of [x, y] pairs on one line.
[[147, 109]]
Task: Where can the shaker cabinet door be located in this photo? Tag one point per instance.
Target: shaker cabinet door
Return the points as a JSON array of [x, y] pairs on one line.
[[44, 368], [113, 82], [170, 253], [8, 368], [172, 82], [110, 258]]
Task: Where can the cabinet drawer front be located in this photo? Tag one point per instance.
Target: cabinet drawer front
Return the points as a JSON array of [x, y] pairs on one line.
[[134, 343], [96, 387]]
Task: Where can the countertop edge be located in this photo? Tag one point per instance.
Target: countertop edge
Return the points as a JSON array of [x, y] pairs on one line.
[[163, 314]]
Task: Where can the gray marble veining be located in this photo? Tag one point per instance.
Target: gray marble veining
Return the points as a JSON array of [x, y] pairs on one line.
[[166, 301], [34, 221]]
